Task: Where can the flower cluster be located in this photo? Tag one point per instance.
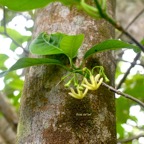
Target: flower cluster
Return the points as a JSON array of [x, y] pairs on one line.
[[82, 90]]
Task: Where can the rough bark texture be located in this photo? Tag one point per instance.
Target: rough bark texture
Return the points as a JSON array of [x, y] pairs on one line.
[[48, 115]]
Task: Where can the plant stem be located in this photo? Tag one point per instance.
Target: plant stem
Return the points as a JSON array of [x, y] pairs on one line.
[[124, 95]]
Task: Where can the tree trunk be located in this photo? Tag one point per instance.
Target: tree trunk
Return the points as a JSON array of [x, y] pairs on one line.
[[48, 115]]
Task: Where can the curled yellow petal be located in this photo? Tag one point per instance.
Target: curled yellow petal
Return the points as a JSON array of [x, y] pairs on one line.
[[86, 82], [85, 92], [95, 82], [79, 94], [92, 80], [99, 83], [97, 77]]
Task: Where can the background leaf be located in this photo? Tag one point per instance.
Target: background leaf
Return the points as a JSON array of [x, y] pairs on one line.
[[27, 62], [135, 86], [110, 45], [15, 35], [3, 58]]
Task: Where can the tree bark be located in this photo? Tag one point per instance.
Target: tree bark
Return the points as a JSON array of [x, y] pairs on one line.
[[48, 115]]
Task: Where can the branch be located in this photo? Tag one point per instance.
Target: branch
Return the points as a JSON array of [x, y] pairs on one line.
[[124, 95], [6, 132], [6, 34], [8, 111], [130, 139], [128, 70], [116, 25], [135, 18], [139, 64]]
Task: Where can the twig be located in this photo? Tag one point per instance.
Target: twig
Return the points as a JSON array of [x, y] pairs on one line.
[[6, 34], [123, 94], [140, 64], [135, 18], [130, 139], [128, 70], [116, 25]]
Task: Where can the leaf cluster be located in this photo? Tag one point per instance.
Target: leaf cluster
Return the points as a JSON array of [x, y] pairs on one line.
[[58, 43]]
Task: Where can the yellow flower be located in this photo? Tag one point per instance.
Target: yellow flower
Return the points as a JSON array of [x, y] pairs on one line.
[[95, 82], [80, 94]]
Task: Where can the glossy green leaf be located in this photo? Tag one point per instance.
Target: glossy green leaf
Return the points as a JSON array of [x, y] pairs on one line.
[[27, 62], [71, 44], [46, 44], [57, 43], [110, 45], [25, 5]]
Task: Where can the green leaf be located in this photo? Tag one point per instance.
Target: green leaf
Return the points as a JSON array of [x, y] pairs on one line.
[[71, 44], [3, 58], [110, 45], [25, 5], [135, 86], [46, 44], [16, 36], [27, 62], [57, 43], [122, 110], [120, 130], [142, 42]]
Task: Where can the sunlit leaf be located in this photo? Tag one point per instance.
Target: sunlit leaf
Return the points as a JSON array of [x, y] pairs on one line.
[[25, 5], [71, 44]]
